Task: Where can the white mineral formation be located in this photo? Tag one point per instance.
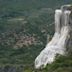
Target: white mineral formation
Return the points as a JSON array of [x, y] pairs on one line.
[[58, 43]]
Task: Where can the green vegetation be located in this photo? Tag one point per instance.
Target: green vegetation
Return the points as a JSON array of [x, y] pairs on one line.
[[24, 27], [62, 64]]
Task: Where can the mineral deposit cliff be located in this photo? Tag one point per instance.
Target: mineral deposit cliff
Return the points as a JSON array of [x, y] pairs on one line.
[[61, 42]]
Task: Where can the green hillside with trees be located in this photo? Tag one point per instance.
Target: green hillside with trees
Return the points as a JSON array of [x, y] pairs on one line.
[[24, 28]]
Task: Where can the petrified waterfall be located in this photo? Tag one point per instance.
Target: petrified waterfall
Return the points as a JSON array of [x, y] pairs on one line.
[[59, 41]]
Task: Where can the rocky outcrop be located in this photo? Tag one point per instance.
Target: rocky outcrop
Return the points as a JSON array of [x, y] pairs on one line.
[[61, 42]]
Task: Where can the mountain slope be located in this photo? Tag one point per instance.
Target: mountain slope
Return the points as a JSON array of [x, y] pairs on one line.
[[24, 27]]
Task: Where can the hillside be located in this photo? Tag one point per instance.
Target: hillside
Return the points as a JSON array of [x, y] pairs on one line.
[[24, 28]]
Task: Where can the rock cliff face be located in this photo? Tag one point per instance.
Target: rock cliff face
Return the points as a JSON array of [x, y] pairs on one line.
[[61, 42]]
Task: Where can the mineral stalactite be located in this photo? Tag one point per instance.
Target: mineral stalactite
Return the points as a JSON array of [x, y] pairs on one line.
[[58, 43]]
